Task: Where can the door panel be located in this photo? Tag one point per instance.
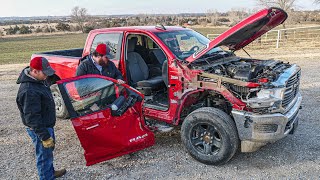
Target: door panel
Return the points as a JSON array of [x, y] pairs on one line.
[[103, 136]]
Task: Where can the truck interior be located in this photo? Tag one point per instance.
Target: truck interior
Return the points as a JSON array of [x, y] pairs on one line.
[[147, 70]]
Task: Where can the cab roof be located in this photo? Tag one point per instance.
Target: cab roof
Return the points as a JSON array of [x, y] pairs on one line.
[[152, 29]]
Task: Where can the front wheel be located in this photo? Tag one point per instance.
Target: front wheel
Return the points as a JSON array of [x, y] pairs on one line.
[[210, 136], [61, 109]]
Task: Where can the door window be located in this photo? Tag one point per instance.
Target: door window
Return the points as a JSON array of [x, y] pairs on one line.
[[112, 40], [90, 94]]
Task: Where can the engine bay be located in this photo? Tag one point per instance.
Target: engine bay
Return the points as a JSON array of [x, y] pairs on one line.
[[263, 72], [248, 70]]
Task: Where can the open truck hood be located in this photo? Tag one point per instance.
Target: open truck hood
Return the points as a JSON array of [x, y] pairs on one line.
[[245, 31]]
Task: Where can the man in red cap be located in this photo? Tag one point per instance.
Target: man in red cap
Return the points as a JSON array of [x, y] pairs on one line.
[[37, 111], [99, 63]]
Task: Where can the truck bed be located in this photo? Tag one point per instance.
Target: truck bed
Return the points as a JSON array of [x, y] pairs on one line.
[[64, 62], [70, 53]]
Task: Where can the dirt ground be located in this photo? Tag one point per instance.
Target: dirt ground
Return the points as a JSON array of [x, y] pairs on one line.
[[295, 157]]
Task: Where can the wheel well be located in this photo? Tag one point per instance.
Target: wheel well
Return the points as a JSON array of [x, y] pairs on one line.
[[204, 99]]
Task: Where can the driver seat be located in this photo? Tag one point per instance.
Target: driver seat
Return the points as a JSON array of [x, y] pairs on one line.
[[138, 71]]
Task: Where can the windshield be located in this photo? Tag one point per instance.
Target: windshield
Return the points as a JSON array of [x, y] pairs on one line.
[[184, 43]]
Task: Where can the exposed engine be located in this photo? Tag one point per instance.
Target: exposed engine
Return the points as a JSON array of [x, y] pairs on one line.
[[250, 70]]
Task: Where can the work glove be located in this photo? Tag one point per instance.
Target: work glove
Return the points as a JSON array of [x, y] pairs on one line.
[[49, 143], [120, 81]]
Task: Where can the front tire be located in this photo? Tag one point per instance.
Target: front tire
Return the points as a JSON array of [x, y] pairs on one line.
[[61, 109], [210, 136]]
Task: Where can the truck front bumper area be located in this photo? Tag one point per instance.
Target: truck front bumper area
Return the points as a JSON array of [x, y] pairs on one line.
[[257, 130]]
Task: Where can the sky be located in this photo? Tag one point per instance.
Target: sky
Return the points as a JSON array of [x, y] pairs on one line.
[[26, 8]]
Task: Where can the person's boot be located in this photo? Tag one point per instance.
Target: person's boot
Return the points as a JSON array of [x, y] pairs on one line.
[[59, 173]]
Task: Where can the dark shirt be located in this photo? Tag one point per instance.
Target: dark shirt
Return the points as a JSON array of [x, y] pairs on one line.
[[36, 104], [88, 67]]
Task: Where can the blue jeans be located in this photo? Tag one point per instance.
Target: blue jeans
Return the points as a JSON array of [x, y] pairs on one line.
[[44, 156]]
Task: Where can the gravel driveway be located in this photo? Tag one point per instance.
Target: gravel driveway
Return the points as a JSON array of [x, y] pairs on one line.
[[295, 157]]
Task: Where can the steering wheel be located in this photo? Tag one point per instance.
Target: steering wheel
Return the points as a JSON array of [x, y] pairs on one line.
[[194, 48]]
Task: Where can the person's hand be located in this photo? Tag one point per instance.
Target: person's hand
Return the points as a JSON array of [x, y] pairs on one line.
[[120, 81], [49, 143]]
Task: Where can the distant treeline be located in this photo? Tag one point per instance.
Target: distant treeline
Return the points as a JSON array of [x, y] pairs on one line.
[[211, 18]]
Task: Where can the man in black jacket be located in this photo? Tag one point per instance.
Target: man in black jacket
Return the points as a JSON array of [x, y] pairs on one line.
[[37, 110], [99, 63]]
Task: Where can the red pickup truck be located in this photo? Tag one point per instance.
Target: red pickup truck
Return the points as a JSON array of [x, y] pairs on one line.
[[178, 77]]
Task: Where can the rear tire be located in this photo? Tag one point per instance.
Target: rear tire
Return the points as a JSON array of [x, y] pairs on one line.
[[61, 109], [210, 136]]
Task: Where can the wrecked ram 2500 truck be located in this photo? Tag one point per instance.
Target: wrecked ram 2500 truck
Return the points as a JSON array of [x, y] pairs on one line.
[[179, 77]]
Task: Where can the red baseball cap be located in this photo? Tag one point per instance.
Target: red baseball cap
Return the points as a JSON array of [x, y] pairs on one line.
[[41, 63], [103, 49]]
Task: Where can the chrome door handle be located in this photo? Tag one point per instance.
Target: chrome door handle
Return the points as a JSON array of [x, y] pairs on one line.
[[91, 127]]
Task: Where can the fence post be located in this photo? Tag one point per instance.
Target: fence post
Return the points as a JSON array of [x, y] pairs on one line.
[[278, 38]]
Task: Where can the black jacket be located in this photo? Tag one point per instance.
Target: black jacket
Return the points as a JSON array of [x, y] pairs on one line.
[[87, 67], [36, 104]]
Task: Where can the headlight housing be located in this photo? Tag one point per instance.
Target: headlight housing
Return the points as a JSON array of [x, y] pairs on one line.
[[267, 98]]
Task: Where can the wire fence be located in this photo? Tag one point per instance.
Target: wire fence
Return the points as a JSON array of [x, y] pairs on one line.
[[302, 36]]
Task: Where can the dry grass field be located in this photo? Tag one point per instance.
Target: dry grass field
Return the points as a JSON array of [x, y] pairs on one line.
[[19, 49]]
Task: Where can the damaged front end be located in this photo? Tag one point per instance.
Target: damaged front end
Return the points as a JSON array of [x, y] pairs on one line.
[[275, 96], [270, 92], [274, 111]]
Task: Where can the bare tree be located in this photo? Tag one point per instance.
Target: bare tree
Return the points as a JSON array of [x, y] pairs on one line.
[[80, 16], [283, 4], [317, 1], [237, 14], [213, 16]]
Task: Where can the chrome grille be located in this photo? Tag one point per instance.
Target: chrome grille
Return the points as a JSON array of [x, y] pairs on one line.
[[292, 88]]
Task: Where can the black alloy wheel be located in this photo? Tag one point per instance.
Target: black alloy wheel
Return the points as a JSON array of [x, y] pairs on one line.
[[206, 139], [210, 136]]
